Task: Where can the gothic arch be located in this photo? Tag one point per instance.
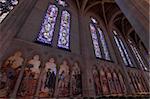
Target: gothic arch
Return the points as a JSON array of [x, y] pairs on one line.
[[92, 5], [114, 16]]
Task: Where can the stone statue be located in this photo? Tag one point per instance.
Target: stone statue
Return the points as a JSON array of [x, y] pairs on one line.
[[15, 61], [30, 77], [76, 80], [139, 84], [96, 78], [34, 66], [63, 81], [123, 87], [133, 83], [104, 82], [117, 83], [142, 80], [111, 83], [49, 79], [9, 73]]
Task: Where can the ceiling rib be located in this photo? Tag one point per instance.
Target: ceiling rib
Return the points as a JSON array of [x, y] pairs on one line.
[[104, 14], [92, 5], [84, 5], [78, 4]]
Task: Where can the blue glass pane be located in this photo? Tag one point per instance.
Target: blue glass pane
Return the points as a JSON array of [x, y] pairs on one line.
[[48, 25], [137, 55], [104, 45], [125, 51], [95, 41], [64, 33], [120, 50]]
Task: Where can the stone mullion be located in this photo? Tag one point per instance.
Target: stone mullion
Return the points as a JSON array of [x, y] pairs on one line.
[[57, 28]]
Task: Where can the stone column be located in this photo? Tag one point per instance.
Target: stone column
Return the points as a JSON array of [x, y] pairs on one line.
[[86, 52]]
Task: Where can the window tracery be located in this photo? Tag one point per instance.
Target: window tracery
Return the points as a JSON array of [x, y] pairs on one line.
[[123, 52], [99, 39], [137, 55]]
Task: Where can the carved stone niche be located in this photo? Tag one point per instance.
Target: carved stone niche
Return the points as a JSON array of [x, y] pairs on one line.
[[104, 82], [112, 80], [64, 80], [122, 83], [96, 79], [30, 77], [76, 80], [48, 81], [9, 73]]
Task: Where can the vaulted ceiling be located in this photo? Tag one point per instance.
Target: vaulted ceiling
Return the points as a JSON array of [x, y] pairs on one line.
[[106, 9]]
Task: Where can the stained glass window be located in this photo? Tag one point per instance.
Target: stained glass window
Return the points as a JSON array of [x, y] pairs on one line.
[[104, 45], [99, 39], [64, 33], [95, 41], [93, 20], [62, 3], [125, 51], [48, 25], [122, 49], [137, 55], [5, 7]]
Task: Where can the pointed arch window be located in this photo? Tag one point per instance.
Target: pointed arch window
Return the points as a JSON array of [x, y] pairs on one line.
[[48, 25], [64, 33], [122, 50], [99, 41], [61, 2], [5, 7], [137, 55], [95, 41], [104, 45]]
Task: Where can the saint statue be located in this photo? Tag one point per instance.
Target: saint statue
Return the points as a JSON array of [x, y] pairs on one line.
[[104, 82], [49, 79], [96, 78], [30, 77], [9, 74], [63, 80], [76, 80], [117, 83], [122, 84], [111, 83], [139, 84]]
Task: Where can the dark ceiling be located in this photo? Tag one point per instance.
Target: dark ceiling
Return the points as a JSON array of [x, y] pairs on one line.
[[105, 9]]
